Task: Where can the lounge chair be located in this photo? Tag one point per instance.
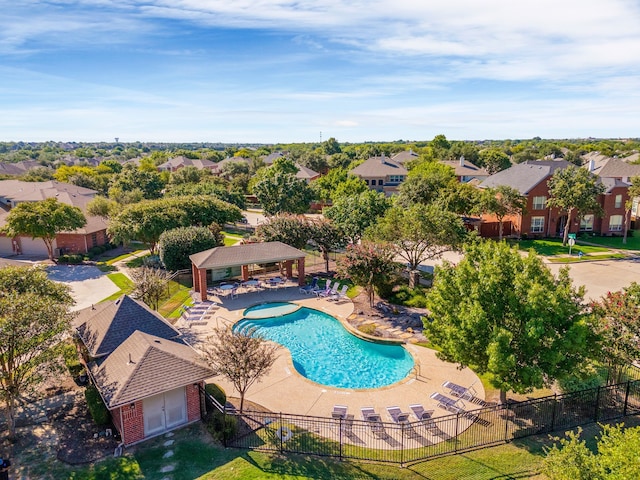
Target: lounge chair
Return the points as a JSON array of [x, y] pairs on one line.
[[374, 421], [312, 287], [328, 293], [420, 413], [397, 415], [459, 391], [339, 412], [449, 404], [342, 293]]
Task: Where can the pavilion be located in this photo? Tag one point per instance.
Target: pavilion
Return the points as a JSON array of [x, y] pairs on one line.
[[242, 256]]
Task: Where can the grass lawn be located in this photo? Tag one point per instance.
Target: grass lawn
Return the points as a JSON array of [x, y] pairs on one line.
[[171, 307], [113, 260], [633, 242], [122, 282], [551, 247]]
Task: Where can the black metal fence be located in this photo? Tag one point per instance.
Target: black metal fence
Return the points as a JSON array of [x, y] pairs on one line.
[[353, 438]]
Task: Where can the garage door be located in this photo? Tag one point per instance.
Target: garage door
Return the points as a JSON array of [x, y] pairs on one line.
[[34, 246], [164, 411], [5, 246]]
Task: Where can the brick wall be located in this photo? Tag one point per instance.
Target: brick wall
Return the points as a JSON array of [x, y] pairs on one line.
[[133, 420], [193, 402]]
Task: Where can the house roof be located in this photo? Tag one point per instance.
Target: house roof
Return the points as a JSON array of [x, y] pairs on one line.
[[238, 255], [305, 173], [181, 161], [524, 176], [104, 326], [466, 169], [611, 183], [612, 168], [403, 157], [18, 168], [269, 159], [144, 365], [379, 167]]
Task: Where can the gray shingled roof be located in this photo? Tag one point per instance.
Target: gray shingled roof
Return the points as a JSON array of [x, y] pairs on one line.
[[468, 169], [524, 176], [379, 167], [613, 167], [104, 326], [238, 255], [145, 365]]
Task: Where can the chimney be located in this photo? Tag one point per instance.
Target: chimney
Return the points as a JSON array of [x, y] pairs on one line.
[[462, 160], [382, 159], [592, 165]]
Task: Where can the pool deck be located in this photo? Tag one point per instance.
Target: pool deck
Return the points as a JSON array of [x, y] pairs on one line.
[[284, 390]]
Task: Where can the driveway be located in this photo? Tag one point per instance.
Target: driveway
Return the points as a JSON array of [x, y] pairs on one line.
[[88, 284]]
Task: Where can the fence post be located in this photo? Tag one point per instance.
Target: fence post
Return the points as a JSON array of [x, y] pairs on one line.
[[455, 444], [626, 399], [554, 412], [507, 412], [281, 435], [340, 451], [595, 416]]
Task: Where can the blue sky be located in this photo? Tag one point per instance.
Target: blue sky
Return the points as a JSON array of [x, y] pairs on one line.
[[273, 71]]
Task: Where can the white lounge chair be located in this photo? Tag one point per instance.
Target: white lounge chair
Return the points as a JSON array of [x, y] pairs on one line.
[[329, 293], [340, 294], [339, 412], [374, 421], [467, 393]]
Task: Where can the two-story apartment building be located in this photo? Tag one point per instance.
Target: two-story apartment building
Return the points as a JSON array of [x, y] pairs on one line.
[[381, 174]]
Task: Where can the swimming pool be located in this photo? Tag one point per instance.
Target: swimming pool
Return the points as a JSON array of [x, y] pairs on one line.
[[324, 352]]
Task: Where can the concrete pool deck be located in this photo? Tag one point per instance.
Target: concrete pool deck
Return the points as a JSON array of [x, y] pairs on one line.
[[284, 390]]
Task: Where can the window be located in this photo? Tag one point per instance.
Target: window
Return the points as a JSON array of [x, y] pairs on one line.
[[618, 201], [615, 223], [367, 182], [396, 178], [537, 224], [94, 239], [586, 223], [380, 182], [539, 202]]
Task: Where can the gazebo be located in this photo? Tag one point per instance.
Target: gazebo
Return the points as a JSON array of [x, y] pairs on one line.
[[242, 256]]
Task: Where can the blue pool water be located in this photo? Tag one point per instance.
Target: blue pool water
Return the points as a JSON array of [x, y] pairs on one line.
[[323, 351]]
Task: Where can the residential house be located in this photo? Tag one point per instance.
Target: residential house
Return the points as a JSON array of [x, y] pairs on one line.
[[176, 163], [12, 192], [381, 174], [405, 156], [466, 171], [272, 157], [148, 378], [18, 168], [306, 174]]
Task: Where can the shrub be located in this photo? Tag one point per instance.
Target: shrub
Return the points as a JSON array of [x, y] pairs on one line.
[[409, 297], [175, 246], [96, 406], [71, 259], [368, 328], [221, 426], [70, 355], [216, 392]]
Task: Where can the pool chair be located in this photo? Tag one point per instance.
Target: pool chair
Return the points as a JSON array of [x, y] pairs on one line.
[[447, 403], [374, 421], [328, 293], [312, 287], [339, 412], [397, 415], [420, 413], [466, 393], [342, 293]]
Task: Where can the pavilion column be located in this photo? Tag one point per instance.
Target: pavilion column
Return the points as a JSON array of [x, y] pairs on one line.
[[202, 275], [289, 267], [301, 279], [196, 278], [245, 273]]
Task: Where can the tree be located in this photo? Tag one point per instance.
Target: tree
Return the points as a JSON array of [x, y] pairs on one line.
[[633, 192], [501, 201], [616, 456], [574, 190], [131, 178], [175, 246], [331, 146], [33, 318], [507, 315], [326, 237], [369, 265], [279, 191], [617, 320], [150, 284], [286, 228], [43, 219], [102, 207], [494, 160], [315, 160], [419, 232], [425, 183], [353, 214], [188, 174], [242, 358]]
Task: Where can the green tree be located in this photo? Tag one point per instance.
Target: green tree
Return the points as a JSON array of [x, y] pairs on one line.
[[215, 187], [326, 237], [420, 232], [616, 457], [286, 228], [102, 207], [633, 192], [352, 215], [574, 190], [314, 160], [501, 201], [494, 160], [369, 265], [131, 178], [617, 321], [242, 358], [34, 317], [43, 219], [507, 315], [336, 183], [175, 246], [188, 174], [279, 191], [425, 183], [331, 146], [150, 284]]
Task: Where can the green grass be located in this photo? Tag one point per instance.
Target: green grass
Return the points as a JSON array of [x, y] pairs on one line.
[[231, 240], [585, 258], [552, 247], [113, 260], [122, 282], [171, 307], [138, 261], [633, 242]]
